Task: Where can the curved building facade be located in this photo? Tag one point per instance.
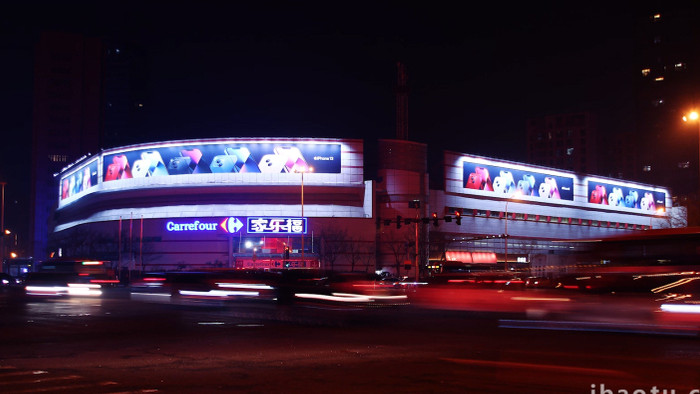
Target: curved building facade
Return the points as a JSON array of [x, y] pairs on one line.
[[306, 203], [236, 203]]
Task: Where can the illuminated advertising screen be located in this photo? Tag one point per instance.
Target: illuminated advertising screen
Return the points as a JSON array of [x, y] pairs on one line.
[[223, 158], [509, 181], [625, 196], [78, 181]]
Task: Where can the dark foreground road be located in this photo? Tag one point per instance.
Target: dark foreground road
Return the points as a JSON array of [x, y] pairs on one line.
[[122, 346]]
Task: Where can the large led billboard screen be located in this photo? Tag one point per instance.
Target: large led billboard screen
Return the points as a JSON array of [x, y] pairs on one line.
[[625, 196], [225, 157], [506, 181], [78, 181]]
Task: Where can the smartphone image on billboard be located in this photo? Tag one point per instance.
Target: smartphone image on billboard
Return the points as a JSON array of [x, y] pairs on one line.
[[123, 163], [554, 189], [78, 182], [156, 165], [87, 182], [197, 165], [244, 160], [293, 159], [179, 165], [64, 189], [487, 184], [141, 168], [223, 163], [113, 172], [273, 164]]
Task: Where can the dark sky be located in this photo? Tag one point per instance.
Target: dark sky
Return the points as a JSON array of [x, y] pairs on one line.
[[328, 69]]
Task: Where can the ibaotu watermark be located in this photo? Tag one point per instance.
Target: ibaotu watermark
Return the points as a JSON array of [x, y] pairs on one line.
[[602, 389]]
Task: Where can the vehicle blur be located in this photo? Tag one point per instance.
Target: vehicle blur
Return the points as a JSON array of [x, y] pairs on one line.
[[205, 287], [59, 278], [285, 287], [9, 283]]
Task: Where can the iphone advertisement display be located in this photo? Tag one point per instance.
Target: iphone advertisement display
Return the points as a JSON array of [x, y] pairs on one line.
[[508, 182], [194, 159], [78, 181], [625, 196]]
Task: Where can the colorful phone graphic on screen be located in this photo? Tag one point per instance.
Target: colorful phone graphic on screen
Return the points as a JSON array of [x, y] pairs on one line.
[[197, 165], [223, 163], [156, 166], [293, 159], [244, 161], [123, 163], [179, 165], [273, 164]]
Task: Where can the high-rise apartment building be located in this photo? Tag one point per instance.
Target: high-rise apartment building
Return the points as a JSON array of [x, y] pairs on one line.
[[667, 87], [566, 141], [66, 119]]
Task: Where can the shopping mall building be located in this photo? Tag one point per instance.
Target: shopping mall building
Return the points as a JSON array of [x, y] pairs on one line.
[[307, 203]]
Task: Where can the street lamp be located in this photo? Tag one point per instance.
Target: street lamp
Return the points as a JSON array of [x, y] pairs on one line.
[[659, 211], [302, 170], [505, 233], [693, 116]]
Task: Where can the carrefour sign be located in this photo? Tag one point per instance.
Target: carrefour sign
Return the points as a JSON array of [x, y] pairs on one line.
[[276, 225], [229, 225], [232, 225]]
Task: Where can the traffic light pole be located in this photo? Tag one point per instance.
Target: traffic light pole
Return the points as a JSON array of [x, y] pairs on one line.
[[417, 245]]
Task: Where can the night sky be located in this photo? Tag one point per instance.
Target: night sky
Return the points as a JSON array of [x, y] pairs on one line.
[[328, 69]]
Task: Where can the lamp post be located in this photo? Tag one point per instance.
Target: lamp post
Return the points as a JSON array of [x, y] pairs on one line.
[[302, 171], [505, 231], [693, 117]]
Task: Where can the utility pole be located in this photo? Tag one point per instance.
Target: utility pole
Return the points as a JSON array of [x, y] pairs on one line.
[[2, 230]]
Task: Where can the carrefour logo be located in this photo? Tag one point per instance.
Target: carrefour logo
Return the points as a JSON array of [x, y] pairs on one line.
[[230, 225]]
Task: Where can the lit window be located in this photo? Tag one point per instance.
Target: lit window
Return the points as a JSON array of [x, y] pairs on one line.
[[569, 151], [679, 66], [646, 72], [656, 17], [657, 102], [646, 168], [58, 158], [684, 164], [659, 79]]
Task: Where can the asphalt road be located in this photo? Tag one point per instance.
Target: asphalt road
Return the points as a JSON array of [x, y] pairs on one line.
[[118, 345]]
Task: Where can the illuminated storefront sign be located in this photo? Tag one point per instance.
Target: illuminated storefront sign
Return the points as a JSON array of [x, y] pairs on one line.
[[625, 196], [276, 225], [506, 181], [78, 181], [232, 225], [229, 225], [224, 157], [194, 225]]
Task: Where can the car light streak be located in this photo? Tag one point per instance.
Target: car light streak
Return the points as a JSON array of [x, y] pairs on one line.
[[150, 294], [674, 284], [685, 308], [78, 289], [218, 293], [540, 299], [259, 286], [348, 297], [590, 326], [84, 289]]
